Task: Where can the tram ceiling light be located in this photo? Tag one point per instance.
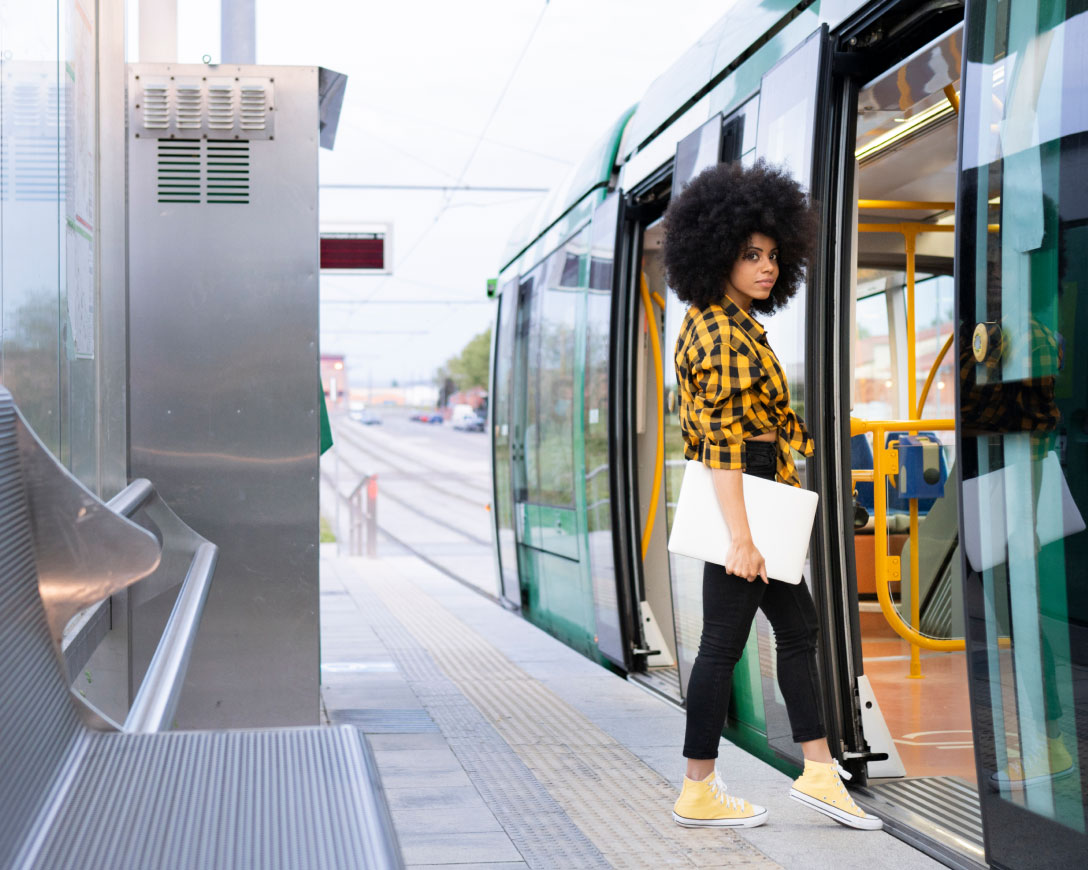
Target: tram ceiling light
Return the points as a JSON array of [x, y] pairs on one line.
[[908, 127]]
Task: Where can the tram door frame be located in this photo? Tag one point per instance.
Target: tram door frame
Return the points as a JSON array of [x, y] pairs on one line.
[[638, 209]]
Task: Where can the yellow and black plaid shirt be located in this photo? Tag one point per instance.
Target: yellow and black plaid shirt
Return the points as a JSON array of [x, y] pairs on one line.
[[732, 387]]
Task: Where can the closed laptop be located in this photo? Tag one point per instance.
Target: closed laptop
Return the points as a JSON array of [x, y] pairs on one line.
[[780, 517]]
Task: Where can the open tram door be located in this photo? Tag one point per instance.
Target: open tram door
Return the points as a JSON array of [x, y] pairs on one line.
[[959, 191], [890, 377], [1022, 406]]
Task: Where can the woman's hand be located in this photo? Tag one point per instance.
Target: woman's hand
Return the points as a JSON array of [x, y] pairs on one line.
[[744, 560]]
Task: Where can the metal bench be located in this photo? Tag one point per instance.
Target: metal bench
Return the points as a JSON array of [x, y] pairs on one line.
[[76, 792]]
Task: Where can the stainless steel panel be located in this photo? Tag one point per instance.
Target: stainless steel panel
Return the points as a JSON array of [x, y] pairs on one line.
[[84, 552], [223, 400]]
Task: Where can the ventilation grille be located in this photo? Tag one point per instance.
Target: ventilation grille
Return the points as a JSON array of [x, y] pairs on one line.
[[179, 170], [212, 107], [156, 108], [33, 162], [190, 102], [228, 172], [197, 171], [221, 107]]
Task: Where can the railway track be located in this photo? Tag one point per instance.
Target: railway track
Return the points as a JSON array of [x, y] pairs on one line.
[[413, 472]]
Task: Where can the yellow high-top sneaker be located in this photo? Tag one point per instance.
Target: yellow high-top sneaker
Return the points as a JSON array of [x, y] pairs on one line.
[[821, 788], [1023, 771], [704, 803]]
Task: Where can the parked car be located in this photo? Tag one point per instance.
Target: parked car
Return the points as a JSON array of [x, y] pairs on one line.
[[369, 418], [463, 417]]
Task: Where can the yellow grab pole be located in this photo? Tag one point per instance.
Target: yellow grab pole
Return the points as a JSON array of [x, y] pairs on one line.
[[912, 387], [932, 372], [659, 455], [912, 399], [915, 604], [887, 567]]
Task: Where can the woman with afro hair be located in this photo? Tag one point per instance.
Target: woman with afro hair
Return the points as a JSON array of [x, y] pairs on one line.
[[736, 244]]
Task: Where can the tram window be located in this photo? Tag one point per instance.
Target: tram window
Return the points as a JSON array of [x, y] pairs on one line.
[[874, 372], [549, 430]]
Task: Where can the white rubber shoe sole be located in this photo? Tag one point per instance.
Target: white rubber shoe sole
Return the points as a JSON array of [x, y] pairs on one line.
[[869, 823], [753, 821]]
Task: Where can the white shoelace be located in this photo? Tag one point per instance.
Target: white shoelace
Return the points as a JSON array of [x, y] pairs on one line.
[[843, 774], [717, 788]]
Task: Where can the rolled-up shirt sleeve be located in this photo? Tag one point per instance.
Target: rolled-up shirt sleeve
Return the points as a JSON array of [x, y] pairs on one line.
[[723, 376]]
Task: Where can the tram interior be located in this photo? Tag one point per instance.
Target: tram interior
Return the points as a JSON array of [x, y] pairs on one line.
[[666, 620], [905, 187]]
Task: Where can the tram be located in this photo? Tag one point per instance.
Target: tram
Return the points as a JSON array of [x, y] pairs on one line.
[[934, 355]]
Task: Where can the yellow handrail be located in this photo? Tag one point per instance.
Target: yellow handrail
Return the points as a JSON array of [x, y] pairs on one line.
[[932, 372], [887, 567], [885, 563], [905, 205], [659, 457]]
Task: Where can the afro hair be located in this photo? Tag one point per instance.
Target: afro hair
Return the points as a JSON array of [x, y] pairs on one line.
[[707, 227]]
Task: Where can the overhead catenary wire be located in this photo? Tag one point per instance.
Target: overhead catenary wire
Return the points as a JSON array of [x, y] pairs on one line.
[[475, 149]]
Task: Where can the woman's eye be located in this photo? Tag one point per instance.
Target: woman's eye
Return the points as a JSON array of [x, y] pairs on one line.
[[774, 256]]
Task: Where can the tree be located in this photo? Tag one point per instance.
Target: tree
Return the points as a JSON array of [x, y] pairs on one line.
[[470, 368]]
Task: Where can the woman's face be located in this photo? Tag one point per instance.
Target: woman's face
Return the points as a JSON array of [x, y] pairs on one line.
[[754, 273]]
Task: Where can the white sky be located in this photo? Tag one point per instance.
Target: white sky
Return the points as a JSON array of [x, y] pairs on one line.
[[425, 76]]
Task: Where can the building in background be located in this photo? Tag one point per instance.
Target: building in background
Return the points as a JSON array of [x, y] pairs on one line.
[[334, 380]]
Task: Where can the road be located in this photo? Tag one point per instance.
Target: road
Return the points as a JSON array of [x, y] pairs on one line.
[[434, 491]]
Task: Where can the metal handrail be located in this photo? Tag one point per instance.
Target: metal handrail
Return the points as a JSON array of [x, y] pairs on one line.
[[155, 702], [887, 567], [659, 452], [87, 551], [132, 497]]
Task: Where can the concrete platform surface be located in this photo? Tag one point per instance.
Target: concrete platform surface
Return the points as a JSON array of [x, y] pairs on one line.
[[499, 747]]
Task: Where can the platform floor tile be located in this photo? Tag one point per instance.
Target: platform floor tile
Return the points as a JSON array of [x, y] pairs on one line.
[[566, 792], [577, 766]]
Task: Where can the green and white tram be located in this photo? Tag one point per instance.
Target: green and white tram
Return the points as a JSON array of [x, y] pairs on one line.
[[934, 356]]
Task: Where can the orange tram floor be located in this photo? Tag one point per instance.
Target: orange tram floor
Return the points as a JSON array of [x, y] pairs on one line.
[[929, 718]]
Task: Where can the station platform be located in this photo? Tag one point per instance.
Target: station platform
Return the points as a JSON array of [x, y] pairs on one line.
[[499, 747]]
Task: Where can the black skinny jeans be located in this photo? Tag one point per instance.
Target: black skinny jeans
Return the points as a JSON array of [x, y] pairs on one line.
[[729, 606]]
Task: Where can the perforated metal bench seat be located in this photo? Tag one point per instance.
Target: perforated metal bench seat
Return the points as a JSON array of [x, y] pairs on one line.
[[75, 797], [288, 799]]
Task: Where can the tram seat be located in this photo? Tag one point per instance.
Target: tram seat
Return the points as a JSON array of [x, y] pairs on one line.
[[72, 795], [861, 458]]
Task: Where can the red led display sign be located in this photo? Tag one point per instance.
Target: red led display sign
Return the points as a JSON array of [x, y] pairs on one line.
[[356, 251]]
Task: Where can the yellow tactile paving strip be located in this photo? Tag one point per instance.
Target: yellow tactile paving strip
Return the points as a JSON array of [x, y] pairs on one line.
[[619, 803]]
